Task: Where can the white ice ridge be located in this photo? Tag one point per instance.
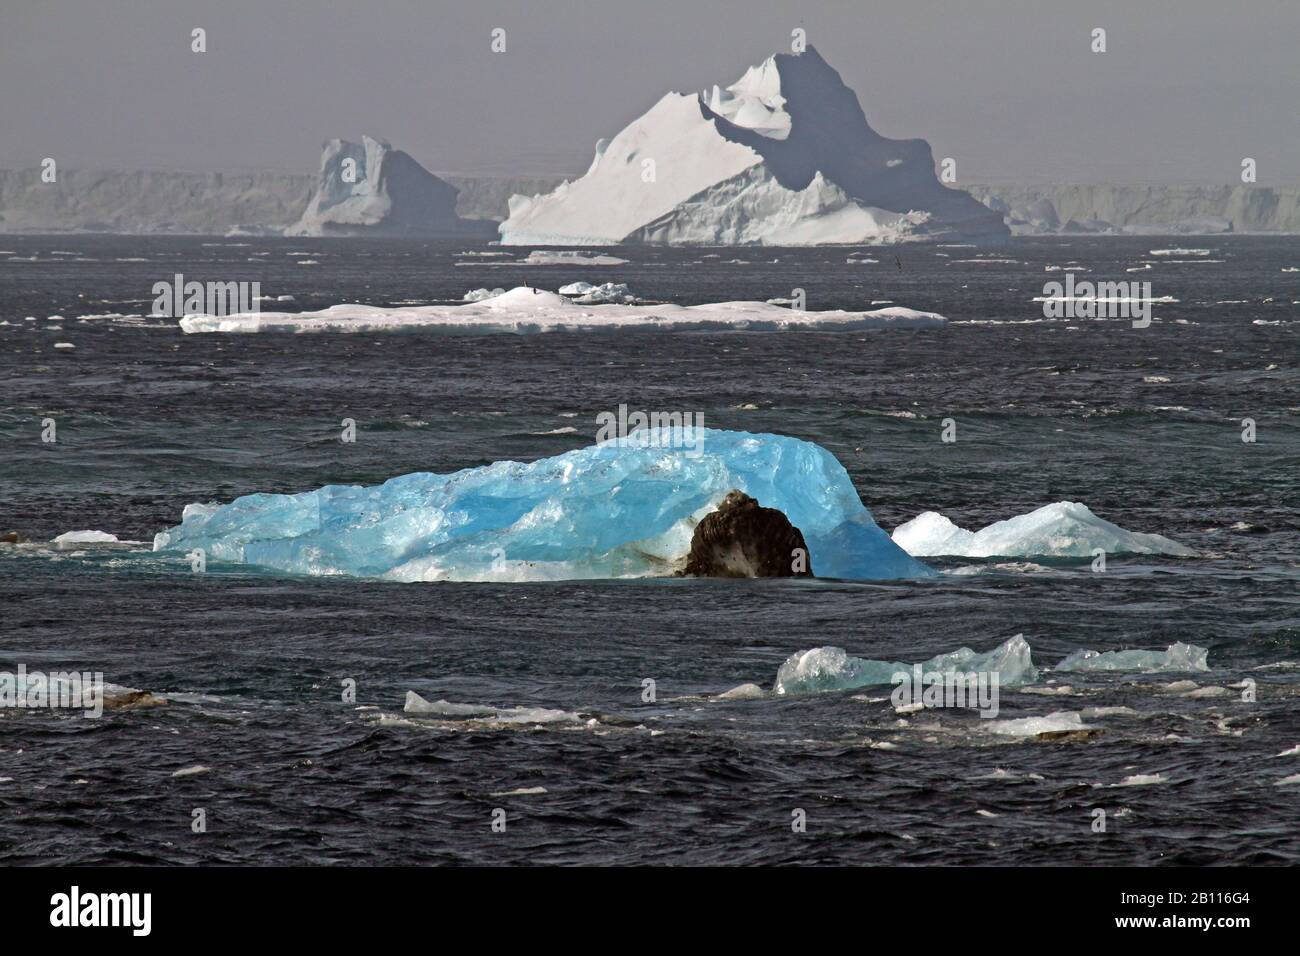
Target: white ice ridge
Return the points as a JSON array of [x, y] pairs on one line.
[[783, 156], [525, 309], [1175, 658], [1066, 529], [830, 668]]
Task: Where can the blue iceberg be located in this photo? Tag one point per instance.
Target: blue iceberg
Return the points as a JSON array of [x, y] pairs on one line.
[[623, 508]]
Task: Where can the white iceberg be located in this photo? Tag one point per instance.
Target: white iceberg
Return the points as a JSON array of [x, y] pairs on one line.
[[784, 156], [524, 309], [1066, 529], [369, 188]]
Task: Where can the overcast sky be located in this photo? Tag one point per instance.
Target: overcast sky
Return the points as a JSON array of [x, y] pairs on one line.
[[1010, 88]]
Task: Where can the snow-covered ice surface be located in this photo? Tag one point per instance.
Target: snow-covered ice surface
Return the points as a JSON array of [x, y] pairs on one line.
[[616, 509], [73, 538], [524, 309], [784, 156], [830, 668], [1066, 529], [587, 294]]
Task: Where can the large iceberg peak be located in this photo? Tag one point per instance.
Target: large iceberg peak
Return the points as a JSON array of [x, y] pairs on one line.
[[782, 156], [753, 102]]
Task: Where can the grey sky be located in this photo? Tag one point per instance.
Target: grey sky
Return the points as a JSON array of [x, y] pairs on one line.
[[1008, 87]]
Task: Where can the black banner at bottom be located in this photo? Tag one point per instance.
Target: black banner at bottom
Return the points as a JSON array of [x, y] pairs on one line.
[[332, 905]]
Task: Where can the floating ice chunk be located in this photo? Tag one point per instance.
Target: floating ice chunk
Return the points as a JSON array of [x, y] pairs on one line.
[[524, 309], [743, 692], [932, 533], [1055, 722], [1061, 530], [191, 771], [478, 295], [831, 668], [1092, 713], [1176, 658], [1141, 780], [586, 293], [415, 704], [73, 538], [623, 508]]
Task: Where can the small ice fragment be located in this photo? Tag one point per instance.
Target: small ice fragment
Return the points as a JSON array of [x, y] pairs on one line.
[[72, 538], [1177, 657], [1063, 529], [1141, 780], [743, 692]]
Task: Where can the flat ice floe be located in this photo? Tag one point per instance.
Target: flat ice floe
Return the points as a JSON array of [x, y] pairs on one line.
[[91, 539], [1055, 722], [524, 309], [415, 704], [1066, 529], [540, 257]]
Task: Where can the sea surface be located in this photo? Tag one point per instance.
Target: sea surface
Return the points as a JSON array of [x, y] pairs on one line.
[[1144, 426]]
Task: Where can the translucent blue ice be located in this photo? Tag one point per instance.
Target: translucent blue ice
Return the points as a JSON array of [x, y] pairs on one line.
[[621, 508], [1175, 658], [830, 668]]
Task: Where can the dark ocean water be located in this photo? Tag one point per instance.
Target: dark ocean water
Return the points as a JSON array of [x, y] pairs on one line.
[[1142, 425]]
